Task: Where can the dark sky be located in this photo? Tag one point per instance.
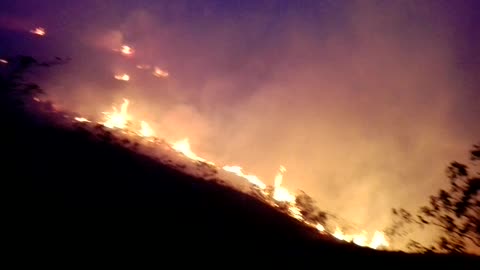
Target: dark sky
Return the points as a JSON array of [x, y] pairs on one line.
[[364, 102]]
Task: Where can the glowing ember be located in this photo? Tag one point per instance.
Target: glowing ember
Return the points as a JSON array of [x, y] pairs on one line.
[[183, 146], [251, 178], [160, 73], [146, 130], [122, 77], [3, 61], [118, 119], [143, 66], [81, 119], [126, 50], [38, 31]]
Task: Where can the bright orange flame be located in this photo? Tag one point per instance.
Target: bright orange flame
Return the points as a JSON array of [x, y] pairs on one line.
[[122, 77], [81, 119], [250, 177], [118, 119], [160, 73], [280, 193], [3, 61], [378, 239], [183, 146], [143, 66], [146, 130], [38, 31], [126, 50]]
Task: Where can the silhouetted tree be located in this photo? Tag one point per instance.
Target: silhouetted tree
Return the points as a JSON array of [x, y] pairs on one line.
[[455, 211]]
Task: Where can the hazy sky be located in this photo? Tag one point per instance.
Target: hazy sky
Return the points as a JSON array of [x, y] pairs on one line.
[[364, 102]]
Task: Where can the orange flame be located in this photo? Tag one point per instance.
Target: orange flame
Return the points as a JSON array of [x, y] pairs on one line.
[[120, 119], [253, 179], [122, 77], [126, 50], [183, 146], [40, 31], [146, 130], [160, 73]]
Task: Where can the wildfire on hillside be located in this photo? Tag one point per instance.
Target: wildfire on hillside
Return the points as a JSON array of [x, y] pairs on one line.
[[275, 195], [121, 119]]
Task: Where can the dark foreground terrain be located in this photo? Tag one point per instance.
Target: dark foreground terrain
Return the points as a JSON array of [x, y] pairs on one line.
[[81, 198]]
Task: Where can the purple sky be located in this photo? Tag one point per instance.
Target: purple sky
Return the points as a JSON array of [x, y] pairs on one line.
[[364, 102]]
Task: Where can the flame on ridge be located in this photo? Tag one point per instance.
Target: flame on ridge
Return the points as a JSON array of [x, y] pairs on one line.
[[280, 195]]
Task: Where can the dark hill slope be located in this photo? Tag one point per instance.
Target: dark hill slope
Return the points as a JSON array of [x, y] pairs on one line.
[[78, 194]]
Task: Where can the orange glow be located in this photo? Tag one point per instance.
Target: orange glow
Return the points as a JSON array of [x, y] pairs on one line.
[[279, 196], [160, 73], [183, 146], [122, 77], [143, 66], [40, 31], [81, 119], [253, 179], [126, 50], [146, 130], [118, 119]]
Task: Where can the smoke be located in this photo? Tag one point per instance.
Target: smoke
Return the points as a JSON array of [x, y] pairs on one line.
[[364, 103]]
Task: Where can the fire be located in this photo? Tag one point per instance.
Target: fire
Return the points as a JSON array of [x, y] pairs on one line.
[[280, 193], [82, 119], [126, 50], [3, 61], [146, 130], [143, 66], [378, 239], [121, 118], [39, 31], [253, 179], [118, 119], [160, 73], [122, 77], [183, 146]]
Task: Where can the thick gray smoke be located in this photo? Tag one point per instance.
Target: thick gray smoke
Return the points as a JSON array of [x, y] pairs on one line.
[[364, 103]]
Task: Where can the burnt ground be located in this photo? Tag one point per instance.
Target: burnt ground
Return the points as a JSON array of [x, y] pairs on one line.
[[78, 197]]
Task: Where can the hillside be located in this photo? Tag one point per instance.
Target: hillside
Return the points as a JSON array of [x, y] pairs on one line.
[[79, 192]]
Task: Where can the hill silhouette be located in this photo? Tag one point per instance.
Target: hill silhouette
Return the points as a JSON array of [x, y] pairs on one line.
[[83, 192]]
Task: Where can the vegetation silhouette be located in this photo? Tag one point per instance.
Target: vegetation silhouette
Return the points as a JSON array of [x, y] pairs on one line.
[[454, 211], [79, 191]]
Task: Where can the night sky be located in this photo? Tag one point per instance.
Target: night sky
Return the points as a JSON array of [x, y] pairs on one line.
[[364, 102]]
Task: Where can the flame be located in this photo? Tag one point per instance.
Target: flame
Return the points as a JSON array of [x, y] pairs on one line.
[[146, 130], [280, 193], [3, 61], [122, 77], [143, 66], [183, 146], [118, 119], [82, 119], [378, 239], [40, 31], [160, 73], [253, 179], [126, 50]]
